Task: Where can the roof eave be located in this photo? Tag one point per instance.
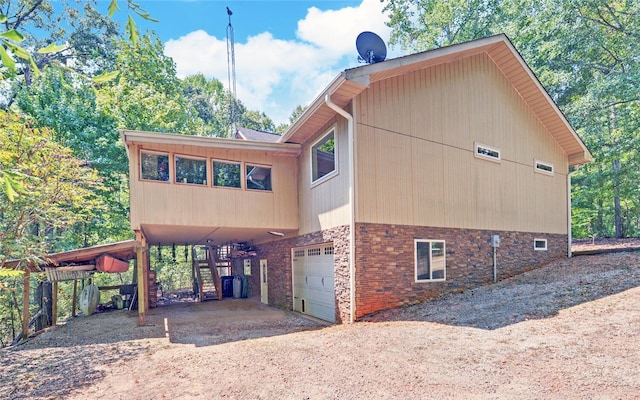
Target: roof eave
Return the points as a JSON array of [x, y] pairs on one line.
[[286, 149], [124, 250], [582, 157], [312, 108]]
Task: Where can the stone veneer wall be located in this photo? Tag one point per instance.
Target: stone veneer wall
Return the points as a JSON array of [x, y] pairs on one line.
[[279, 267], [385, 271]]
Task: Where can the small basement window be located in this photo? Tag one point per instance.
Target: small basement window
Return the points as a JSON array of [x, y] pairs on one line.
[[430, 260], [540, 244], [191, 170], [323, 157], [258, 177], [227, 174], [486, 152], [543, 167], [154, 166]]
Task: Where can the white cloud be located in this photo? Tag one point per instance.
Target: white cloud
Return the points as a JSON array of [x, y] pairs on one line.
[[336, 30], [275, 75]]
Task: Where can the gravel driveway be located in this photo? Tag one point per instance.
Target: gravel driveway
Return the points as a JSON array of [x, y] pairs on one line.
[[565, 331]]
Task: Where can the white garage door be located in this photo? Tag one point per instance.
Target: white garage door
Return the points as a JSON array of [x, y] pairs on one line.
[[313, 279]]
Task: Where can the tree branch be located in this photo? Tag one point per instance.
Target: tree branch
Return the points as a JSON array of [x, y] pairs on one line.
[[24, 16]]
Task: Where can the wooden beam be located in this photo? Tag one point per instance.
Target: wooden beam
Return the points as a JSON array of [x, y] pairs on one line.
[[112, 287], [26, 289]]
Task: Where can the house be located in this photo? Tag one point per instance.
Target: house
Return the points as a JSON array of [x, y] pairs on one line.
[[403, 180]]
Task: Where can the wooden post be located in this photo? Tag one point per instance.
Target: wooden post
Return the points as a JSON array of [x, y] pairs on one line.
[[75, 298], [139, 257], [141, 261], [25, 304], [54, 305], [147, 263]]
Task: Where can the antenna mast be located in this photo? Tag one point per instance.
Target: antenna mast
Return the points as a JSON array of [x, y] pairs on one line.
[[231, 73]]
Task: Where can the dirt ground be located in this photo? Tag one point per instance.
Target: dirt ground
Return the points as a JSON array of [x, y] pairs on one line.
[[569, 330]]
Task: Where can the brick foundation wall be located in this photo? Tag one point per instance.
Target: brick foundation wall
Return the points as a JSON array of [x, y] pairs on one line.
[[278, 256], [253, 279], [385, 271]]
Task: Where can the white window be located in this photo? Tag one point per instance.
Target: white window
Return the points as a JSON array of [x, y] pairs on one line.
[[227, 174], [543, 167], [430, 260], [258, 177], [154, 166], [191, 170], [540, 244], [486, 152], [323, 157]]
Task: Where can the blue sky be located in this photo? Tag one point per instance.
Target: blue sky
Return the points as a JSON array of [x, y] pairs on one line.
[[286, 51]]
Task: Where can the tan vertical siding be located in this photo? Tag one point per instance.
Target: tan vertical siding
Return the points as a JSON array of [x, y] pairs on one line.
[[325, 205], [193, 205], [415, 144]]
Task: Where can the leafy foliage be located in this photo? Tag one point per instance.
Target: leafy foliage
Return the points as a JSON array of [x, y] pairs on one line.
[[173, 267], [61, 190], [212, 103], [147, 95], [78, 124]]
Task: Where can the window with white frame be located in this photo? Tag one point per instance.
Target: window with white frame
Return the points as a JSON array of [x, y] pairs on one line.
[[154, 166], [227, 174], [258, 177], [323, 157], [191, 170], [430, 260], [486, 152], [540, 244], [543, 167]]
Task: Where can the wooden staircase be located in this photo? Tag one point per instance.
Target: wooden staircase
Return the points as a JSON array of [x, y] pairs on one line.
[[206, 274]]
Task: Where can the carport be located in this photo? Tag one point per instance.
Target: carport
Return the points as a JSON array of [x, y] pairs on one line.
[[76, 265]]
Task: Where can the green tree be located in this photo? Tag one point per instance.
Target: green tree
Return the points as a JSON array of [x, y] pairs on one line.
[[212, 103], [72, 112], [295, 114], [147, 94], [254, 120], [60, 190], [40, 25]]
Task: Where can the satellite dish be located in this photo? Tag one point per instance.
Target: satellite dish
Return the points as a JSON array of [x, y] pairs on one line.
[[371, 48]]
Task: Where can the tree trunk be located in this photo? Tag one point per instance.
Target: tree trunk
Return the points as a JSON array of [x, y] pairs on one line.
[[616, 179], [616, 200]]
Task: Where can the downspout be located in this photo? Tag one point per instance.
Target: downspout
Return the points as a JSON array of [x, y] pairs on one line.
[[352, 219], [569, 233]]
